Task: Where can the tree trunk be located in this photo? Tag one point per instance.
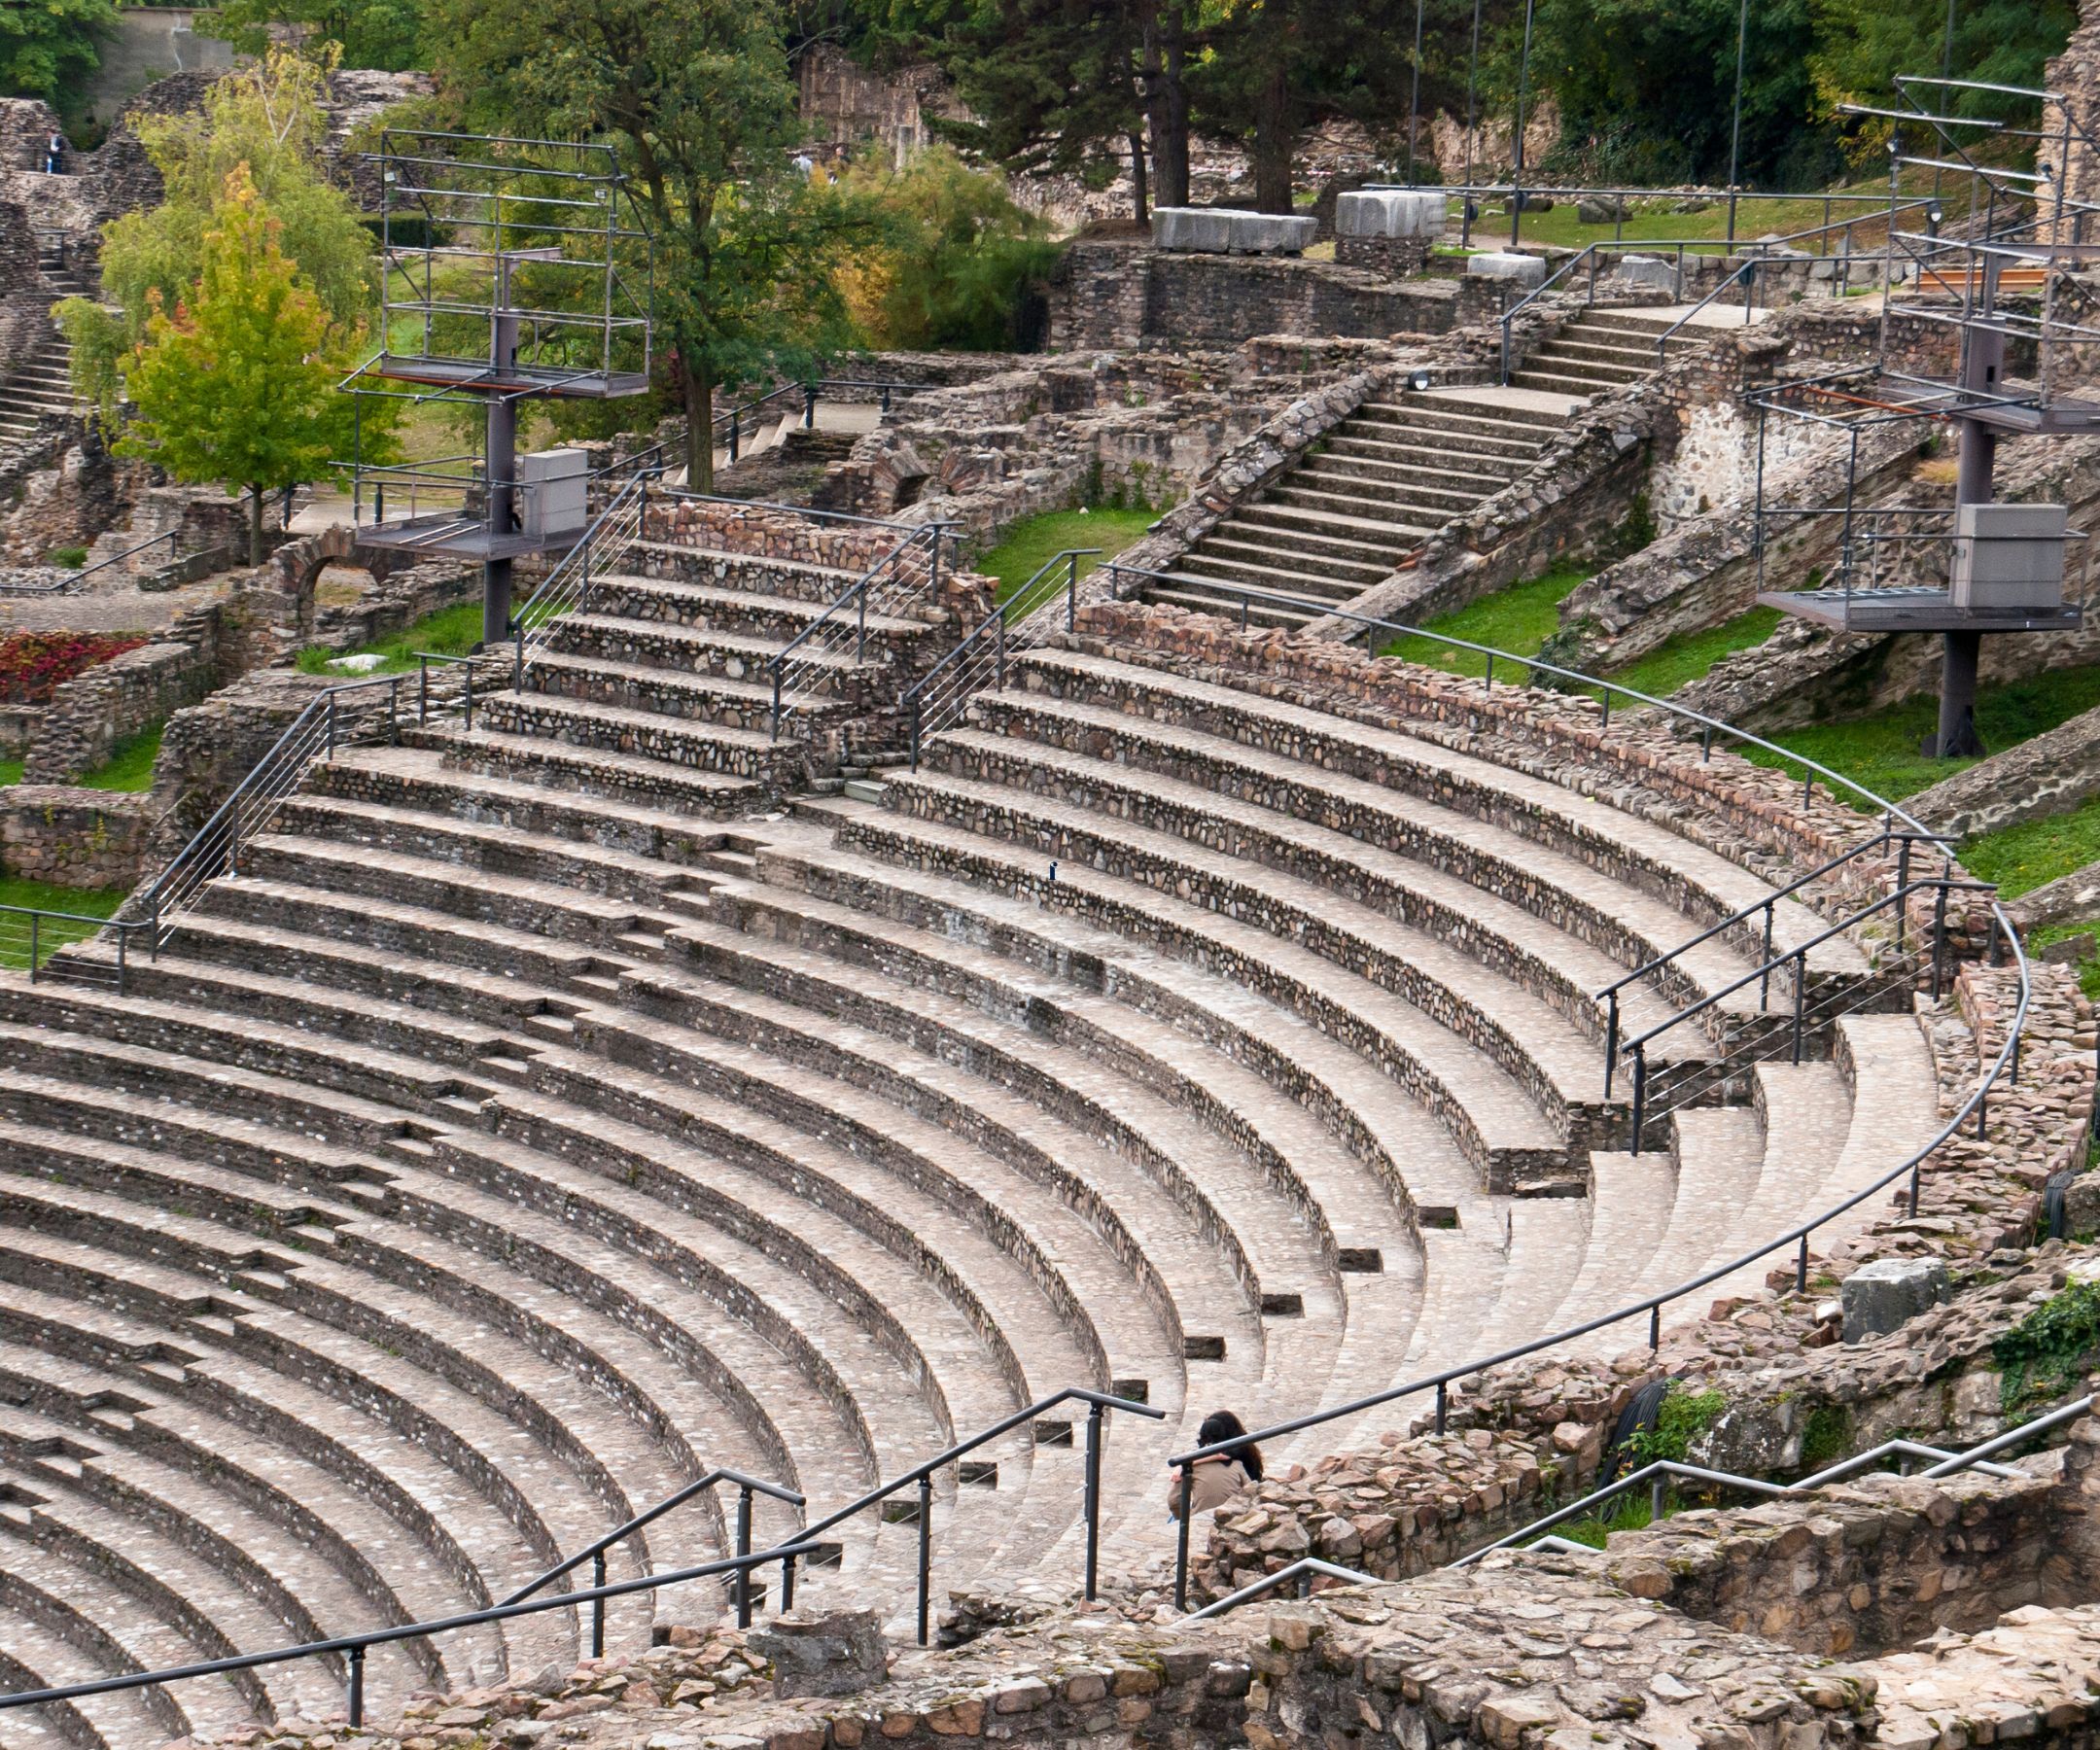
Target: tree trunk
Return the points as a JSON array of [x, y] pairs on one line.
[[1139, 209], [254, 524], [1166, 101], [699, 430], [1273, 137]]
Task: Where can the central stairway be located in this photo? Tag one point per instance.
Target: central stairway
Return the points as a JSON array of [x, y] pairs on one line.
[[1363, 499], [517, 1136]]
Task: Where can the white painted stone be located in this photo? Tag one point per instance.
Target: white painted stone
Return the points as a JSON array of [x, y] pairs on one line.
[[1520, 269], [1390, 212], [357, 665], [1228, 230]]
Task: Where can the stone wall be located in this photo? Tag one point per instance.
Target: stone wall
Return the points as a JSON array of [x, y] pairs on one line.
[[2048, 774], [1114, 294], [73, 837], [92, 713], [1138, 428], [148, 43]]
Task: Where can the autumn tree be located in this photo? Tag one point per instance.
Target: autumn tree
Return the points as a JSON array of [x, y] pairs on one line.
[[237, 382], [266, 121]]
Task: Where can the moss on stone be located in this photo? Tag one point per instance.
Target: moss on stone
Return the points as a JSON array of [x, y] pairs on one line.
[[2050, 1350]]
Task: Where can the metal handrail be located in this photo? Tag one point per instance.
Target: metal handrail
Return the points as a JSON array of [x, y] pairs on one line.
[[854, 596], [594, 1553], [922, 1475], [72, 581], [1650, 1305], [1708, 725], [810, 391], [1746, 272], [1657, 1473], [1020, 606], [1299, 1574], [355, 1646]]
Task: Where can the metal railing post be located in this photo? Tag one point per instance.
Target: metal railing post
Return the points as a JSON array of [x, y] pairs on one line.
[[1939, 904], [1640, 1095], [809, 406], [1764, 988], [1800, 997], [518, 659], [860, 637], [1902, 890], [357, 1686], [123, 937], [1180, 1582], [1442, 1405], [1092, 1500], [926, 1552], [1611, 1038], [1655, 1326], [332, 725], [596, 1608], [787, 1583], [422, 715], [918, 716], [998, 660], [469, 698], [1072, 592], [743, 1548], [736, 415], [1800, 1267], [35, 961], [776, 698]]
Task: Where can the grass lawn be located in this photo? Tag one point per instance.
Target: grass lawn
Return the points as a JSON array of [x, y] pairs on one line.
[[2022, 858], [11, 771], [1035, 539], [131, 766], [1518, 620], [83, 905], [451, 631], [1681, 661], [1882, 752]]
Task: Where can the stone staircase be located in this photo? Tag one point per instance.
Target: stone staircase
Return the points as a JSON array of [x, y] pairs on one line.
[[1601, 350], [516, 1138], [1365, 497], [42, 385]]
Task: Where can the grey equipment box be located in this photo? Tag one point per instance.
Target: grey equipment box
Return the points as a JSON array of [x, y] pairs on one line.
[[553, 492], [2007, 558]]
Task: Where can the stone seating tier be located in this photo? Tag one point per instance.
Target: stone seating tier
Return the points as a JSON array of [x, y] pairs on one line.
[[515, 1137]]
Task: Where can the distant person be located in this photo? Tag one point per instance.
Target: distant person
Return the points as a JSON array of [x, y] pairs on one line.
[[806, 165], [1222, 1475], [54, 153]]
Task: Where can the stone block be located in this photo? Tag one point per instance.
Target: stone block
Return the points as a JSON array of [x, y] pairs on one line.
[[1645, 270], [1226, 231], [1519, 269], [1889, 1292], [1390, 212], [2071, 950], [1599, 209], [838, 1654]]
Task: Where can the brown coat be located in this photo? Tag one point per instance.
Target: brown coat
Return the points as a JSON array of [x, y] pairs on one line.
[[1217, 1480]]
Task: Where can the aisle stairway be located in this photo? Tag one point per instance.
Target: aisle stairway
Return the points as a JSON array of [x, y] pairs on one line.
[[41, 386], [1366, 495], [512, 1140]]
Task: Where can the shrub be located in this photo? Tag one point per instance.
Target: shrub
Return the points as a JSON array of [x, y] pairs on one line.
[[33, 665], [2050, 1350], [72, 558]]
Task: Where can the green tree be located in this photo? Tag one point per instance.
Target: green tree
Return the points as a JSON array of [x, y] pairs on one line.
[[387, 34], [268, 122], [1862, 45], [963, 265], [698, 95], [237, 383], [48, 47]]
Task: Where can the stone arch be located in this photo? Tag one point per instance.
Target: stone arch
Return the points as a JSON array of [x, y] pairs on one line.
[[299, 564]]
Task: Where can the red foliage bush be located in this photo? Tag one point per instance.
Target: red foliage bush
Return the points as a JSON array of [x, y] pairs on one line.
[[33, 665]]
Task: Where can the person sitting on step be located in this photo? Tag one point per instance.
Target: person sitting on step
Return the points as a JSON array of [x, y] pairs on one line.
[[1222, 1475]]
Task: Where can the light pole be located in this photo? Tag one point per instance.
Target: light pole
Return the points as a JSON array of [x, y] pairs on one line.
[[1414, 101], [1735, 148], [1472, 82], [1524, 90]]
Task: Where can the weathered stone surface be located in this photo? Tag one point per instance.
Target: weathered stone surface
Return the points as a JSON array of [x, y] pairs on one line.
[[1887, 1293], [1390, 212], [1523, 269], [838, 1654], [1228, 230]]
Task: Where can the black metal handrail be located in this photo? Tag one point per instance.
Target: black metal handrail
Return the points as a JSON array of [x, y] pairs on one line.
[[1769, 905], [811, 392], [355, 1646], [854, 597], [1974, 1105], [921, 1476], [988, 644], [1658, 1475], [594, 1553], [72, 581]]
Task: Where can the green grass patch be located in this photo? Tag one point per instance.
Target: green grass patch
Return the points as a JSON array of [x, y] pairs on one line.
[[70, 558], [1029, 544], [1628, 1512], [1519, 619], [449, 632], [1685, 658], [11, 771], [84, 907], [1881, 751], [131, 766], [2020, 858]]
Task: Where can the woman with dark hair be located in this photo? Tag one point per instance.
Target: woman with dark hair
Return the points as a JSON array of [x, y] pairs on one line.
[[1222, 1475]]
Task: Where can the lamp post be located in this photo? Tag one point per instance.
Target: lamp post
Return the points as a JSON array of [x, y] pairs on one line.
[[1735, 150], [1524, 90], [1414, 101], [1472, 82]]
